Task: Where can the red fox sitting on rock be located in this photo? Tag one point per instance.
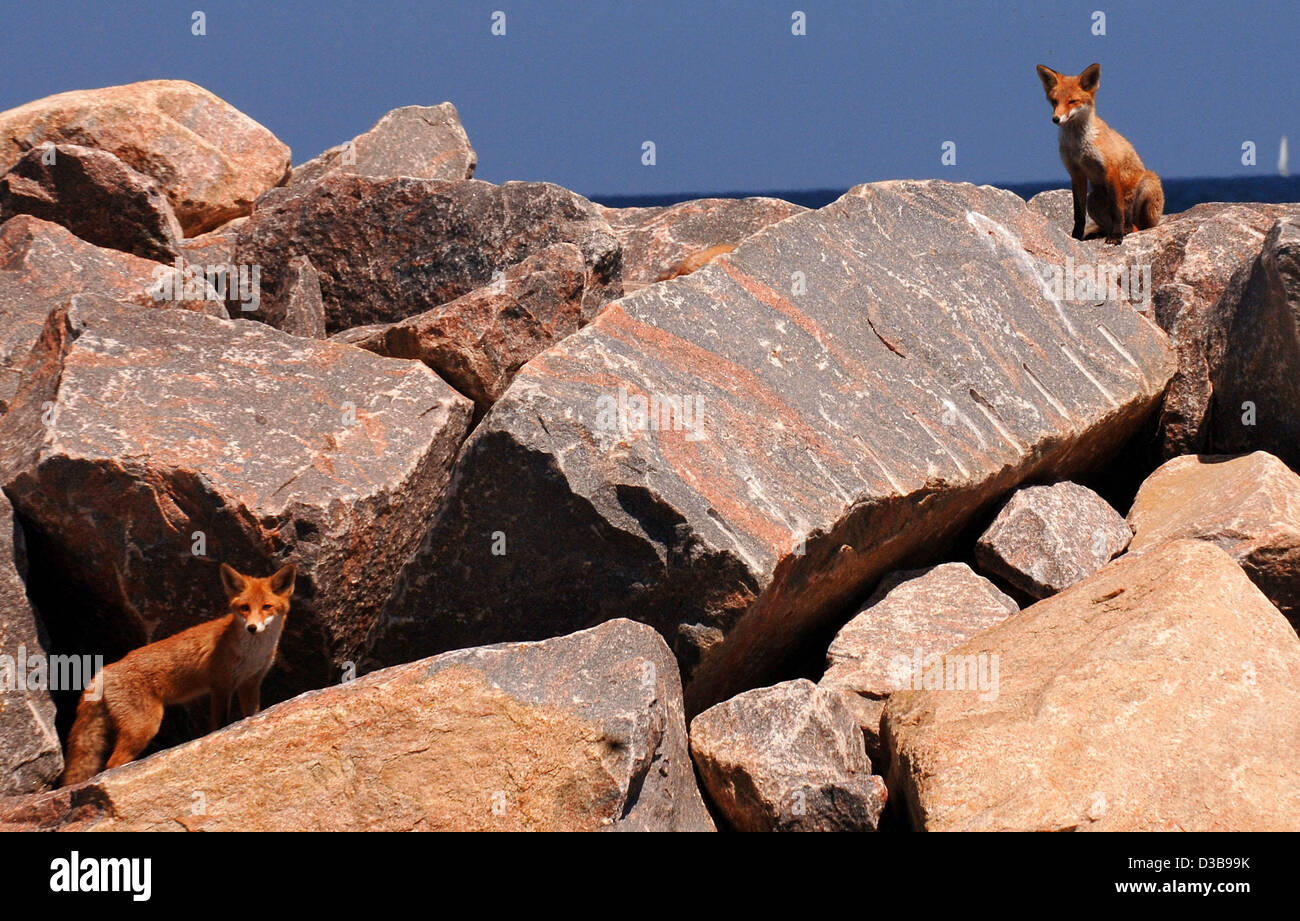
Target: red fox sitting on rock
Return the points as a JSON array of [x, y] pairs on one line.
[[228, 655], [1125, 195]]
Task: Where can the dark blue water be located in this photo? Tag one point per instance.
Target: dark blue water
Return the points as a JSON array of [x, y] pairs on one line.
[[1180, 194]]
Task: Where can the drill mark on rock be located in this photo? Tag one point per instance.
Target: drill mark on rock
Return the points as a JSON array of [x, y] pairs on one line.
[[991, 413], [1114, 343], [1110, 397], [1056, 404]]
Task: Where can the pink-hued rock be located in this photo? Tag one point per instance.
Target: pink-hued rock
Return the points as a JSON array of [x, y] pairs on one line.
[[578, 733], [1162, 693], [1255, 353], [216, 247], [388, 249], [43, 264], [212, 160], [31, 758], [96, 196], [146, 446], [479, 341], [912, 615], [297, 307], [832, 401], [1223, 286], [787, 758], [657, 240], [1249, 506], [422, 142], [1046, 538]]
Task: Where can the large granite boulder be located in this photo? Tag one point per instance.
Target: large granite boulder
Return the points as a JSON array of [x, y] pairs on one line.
[[839, 396], [1162, 693], [787, 758], [1227, 299], [96, 196], [423, 142], [1248, 506], [147, 446], [388, 249], [212, 160], [1047, 537], [31, 758], [912, 616], [578, 733], [1255, 353], [656, 241]]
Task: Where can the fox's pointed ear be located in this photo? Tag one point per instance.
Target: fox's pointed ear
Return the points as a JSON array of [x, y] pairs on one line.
[[1089, 79], [1048, 76], [282, 581], [231, 581]]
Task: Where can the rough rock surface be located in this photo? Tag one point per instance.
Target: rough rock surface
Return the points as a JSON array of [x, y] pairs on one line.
[[1057, 205], [387, 249], [1162, 693], [1194, 257], [31, 758], [212, 160], [912, 615], [479, 341], [96, 196], [787, 758], [1248, 506], [216, 247], [296, 307], [578, 733], [1255, 354], [43, 264], [1224, 298], [423, 142], [177, 441], [657, 240], [1046, 538], [831, 436]]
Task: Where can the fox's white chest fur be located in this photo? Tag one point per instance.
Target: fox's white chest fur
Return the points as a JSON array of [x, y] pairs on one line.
[[1078, 141], [256, 650]]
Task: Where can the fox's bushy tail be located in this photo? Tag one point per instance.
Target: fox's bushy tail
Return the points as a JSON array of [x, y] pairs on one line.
[[87, 742]]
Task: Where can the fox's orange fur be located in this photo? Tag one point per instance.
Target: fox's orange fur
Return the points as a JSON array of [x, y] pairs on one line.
[[1125, 195], [697, 260], [222, 657]]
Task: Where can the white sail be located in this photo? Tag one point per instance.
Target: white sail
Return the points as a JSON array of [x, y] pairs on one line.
[[1282, 158]]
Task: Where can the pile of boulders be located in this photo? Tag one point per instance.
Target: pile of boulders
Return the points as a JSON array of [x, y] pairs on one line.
[[727, 514]]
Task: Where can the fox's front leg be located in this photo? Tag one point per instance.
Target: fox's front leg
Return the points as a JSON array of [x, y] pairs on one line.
[[250, 696], [1079, 186], [220, 707], [1115, 206]]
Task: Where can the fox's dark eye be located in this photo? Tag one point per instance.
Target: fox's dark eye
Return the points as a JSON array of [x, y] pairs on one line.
[[266, 607], [245, 608]]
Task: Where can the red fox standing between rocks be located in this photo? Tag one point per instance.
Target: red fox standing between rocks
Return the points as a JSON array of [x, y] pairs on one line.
[[228, 655], [1125, 195]]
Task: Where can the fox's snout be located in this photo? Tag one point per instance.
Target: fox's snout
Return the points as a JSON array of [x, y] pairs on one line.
[[258, 623]]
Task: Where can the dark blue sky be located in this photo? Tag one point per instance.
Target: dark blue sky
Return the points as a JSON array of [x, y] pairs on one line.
[[733, 101]]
